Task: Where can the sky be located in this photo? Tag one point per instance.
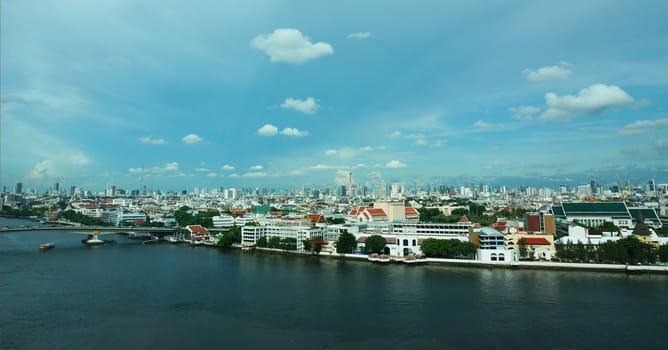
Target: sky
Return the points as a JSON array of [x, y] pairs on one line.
[[178, 94]]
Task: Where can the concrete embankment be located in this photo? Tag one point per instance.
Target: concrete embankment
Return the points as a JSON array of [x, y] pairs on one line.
[[525, 265]]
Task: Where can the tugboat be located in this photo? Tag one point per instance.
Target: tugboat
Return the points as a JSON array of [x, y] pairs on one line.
[[46, 246], [92, 239]]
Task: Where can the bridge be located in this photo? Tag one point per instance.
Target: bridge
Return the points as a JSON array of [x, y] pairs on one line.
[[89, 229]]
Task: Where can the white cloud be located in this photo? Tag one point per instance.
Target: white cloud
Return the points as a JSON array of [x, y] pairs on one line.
[[294, 132], [308, 105], [359, 35], [592, 100], [290, 46], [421, 142], [483, 125], [191, 138], [395, 164], [40, 170], [202, 170], [643, 126], [366, 149], [151, 141], [227, 167], [211, 175], [254, 174], [267, 130], [167, 168], [548, 73], [524, 113], [322, 167], [256, 167], [330, 152], [395, 134]]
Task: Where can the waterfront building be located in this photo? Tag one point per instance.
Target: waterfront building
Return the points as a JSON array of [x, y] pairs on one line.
[[250, 234], [198, 233], [491, 245], [540, 244]]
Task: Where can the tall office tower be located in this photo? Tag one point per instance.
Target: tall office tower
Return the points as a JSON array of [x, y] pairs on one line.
[[18, 189]]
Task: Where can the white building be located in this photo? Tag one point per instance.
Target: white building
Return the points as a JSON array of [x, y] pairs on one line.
[[250, 234], [224, 221]]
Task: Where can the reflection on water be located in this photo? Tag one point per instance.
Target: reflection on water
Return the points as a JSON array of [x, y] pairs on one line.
[[181, 296]]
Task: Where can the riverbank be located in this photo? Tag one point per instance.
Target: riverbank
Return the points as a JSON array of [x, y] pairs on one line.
[[514, 265]]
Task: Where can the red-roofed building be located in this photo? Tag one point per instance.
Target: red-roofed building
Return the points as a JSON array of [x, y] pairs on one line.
[[198, 232], [542, 245], [412, 215], [369, 214]]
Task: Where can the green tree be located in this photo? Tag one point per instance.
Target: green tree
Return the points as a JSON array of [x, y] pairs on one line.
[[262, 242], [288, 243], [375, 244], [663, 253], [274, 242], [346, 243], [522, 247]]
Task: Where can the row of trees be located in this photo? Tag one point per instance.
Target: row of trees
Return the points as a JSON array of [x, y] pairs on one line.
[[73, 216], [23, 212], [475, 213], [448, 248], [627, 250], [230, 237], [184, 218], [277, 243]]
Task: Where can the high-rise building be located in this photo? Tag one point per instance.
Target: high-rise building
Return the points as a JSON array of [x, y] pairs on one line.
[[18, 189]]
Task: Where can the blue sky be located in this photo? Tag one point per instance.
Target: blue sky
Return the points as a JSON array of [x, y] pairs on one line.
[[291, 93]]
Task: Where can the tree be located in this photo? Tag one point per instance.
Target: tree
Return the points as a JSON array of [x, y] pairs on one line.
[[262, 242], [288, 243], [346, 243], [314, 244], [375, 244], [663, 253], [523, 250], [274, 242]]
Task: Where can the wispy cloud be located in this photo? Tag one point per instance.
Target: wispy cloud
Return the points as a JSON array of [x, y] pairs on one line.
[[359, 35], [524, 113], [227, 167], [643, 127], [256, 167], [152, 141], [290, 46]]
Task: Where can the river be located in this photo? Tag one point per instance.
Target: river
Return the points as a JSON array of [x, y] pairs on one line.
[[134, 296]]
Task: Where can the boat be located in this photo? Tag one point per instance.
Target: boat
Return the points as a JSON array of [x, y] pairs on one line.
[[45, 246], [413, 259], [92, 239]]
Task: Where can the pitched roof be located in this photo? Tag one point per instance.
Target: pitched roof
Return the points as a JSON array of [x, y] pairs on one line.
[[536, 241], [376, 212], [197, 229], [616, 210], [411, 211]]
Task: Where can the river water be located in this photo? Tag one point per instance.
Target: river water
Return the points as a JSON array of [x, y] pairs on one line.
[[134, 296]]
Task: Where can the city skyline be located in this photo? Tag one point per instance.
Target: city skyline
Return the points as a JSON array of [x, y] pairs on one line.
[[224, 94]]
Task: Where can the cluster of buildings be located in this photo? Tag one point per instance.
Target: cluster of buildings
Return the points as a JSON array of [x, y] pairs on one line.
[[553, 216]]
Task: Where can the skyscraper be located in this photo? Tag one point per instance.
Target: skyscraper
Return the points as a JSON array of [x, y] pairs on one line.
[[19, 188]]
